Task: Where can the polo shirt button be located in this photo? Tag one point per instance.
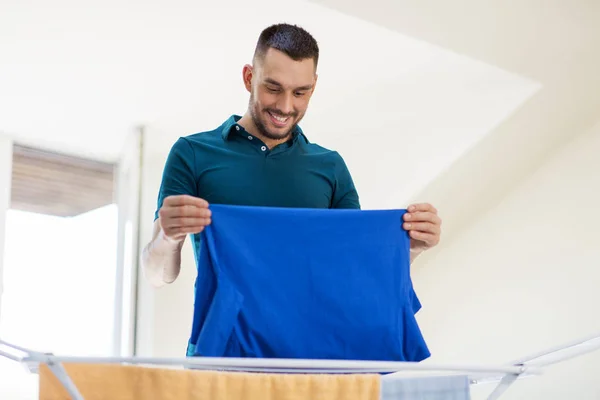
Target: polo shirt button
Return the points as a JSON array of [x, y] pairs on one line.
[[237, 127], [263, 148], [249, 137]]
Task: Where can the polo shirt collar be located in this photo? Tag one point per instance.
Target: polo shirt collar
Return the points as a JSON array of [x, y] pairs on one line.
[[230, 125]]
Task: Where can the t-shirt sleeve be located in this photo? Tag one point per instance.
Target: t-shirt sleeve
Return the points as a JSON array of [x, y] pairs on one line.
[[178, 175], [345, 194]]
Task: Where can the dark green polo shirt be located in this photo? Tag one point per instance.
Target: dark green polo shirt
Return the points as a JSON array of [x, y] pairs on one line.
[[230, 166]]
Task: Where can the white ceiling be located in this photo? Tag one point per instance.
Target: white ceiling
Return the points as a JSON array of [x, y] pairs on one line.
[[78, 76]]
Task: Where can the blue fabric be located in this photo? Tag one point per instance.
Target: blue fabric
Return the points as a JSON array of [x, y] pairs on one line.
[[305, 283]]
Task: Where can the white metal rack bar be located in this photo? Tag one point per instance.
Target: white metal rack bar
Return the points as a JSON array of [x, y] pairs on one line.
[[556, 354], [505, 375]]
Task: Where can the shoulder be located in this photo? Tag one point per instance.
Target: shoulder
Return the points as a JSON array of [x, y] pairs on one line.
[[187, 149], [214, 136], [192, 142], [205, 137], [317, 149], [328, 155]]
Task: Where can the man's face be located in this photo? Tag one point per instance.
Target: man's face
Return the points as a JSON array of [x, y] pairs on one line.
[[280, 89]]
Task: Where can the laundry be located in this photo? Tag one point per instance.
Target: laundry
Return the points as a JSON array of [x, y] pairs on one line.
[[77, 378], [450, 387], [132, 382], [305, 283]]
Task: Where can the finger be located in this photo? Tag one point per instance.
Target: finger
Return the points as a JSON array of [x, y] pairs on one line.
[[184, 199], [429, 238], [186, 222], [182, 231], [426, 227], [191, 211], [420, 216], [422, 207]]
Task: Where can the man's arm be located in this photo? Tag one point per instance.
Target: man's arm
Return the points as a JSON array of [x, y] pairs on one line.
[[161, 258], [345, 194], [414, 254], [179, 213], [179, 216]]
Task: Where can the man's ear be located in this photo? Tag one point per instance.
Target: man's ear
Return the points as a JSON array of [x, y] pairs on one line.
[[247, 74]]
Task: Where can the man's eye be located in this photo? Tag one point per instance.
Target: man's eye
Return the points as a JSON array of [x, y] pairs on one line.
[[272, 89], [300, 94]]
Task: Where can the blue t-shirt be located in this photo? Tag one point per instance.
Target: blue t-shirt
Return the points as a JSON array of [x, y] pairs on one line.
[[305, 283]]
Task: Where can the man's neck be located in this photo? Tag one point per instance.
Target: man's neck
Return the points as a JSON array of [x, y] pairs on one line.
[[248, 124]]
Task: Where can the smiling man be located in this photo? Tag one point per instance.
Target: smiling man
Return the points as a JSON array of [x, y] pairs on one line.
[[262, 158], [281, 82]]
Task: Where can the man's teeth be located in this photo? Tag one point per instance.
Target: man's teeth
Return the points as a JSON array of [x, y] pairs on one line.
[[280, 119]]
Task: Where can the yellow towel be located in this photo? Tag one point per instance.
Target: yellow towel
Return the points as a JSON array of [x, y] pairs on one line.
[[120, 382]]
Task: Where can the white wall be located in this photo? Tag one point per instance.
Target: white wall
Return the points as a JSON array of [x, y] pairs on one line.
[[524, 277], [6, 150]]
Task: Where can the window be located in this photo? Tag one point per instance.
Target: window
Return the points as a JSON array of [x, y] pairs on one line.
[[60, 259]]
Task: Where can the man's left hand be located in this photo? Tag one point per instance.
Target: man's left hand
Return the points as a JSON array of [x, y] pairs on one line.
[[423, 225]]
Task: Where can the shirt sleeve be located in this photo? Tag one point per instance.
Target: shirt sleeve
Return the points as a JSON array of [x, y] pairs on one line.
[[345, 194], [178, 175]]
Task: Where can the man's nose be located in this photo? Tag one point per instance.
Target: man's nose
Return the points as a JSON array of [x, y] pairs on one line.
[[286, 104]]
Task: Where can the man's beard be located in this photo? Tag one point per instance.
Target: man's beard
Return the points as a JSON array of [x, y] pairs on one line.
[[255, 113]]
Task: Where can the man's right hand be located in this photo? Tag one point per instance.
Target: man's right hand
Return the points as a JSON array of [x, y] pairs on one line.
[[182, 215]]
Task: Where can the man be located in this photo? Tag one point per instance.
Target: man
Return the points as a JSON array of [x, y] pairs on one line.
[[260, 159]]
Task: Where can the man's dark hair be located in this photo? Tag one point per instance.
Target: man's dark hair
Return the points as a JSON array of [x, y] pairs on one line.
[[292, 40]]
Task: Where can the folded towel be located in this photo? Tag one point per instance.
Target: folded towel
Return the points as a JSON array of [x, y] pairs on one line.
[[120, 382]]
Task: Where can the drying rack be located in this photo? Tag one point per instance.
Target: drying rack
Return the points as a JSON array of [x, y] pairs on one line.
[[503, 375]]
